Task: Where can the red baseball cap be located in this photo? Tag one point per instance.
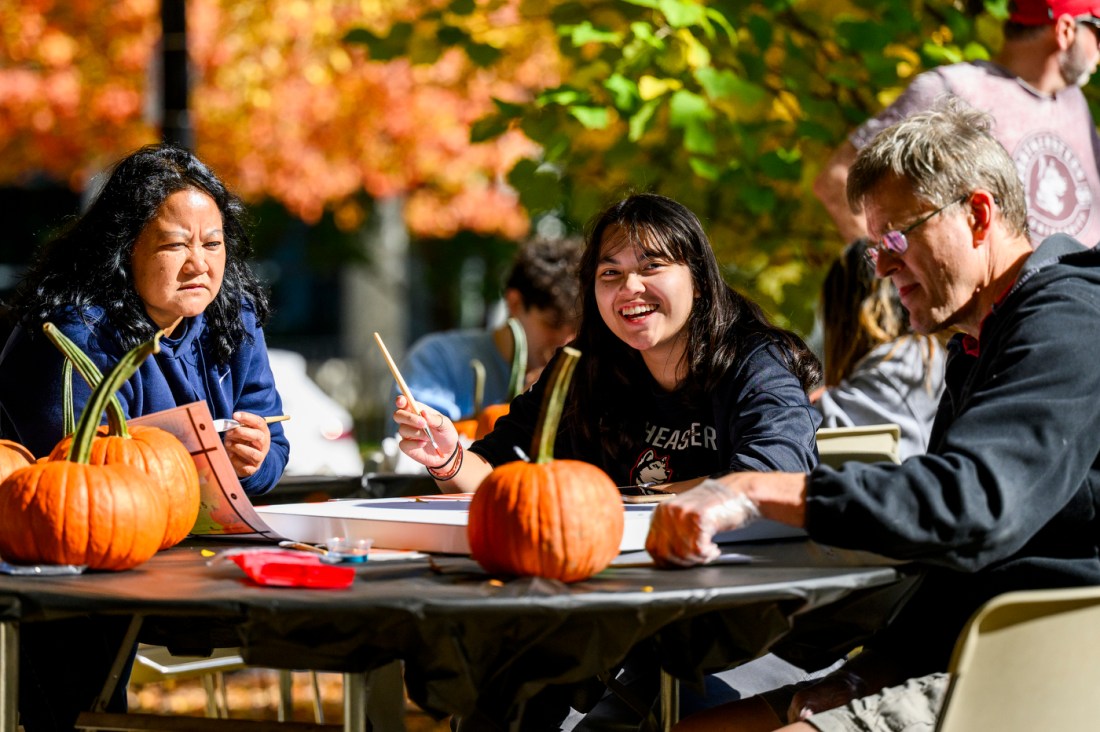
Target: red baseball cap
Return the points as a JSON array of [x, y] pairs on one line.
[[1041, 12]]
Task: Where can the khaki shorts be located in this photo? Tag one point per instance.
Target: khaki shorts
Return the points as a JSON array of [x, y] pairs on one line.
[[911, 707]]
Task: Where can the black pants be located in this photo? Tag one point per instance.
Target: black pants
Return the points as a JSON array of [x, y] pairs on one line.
[[63, 665]]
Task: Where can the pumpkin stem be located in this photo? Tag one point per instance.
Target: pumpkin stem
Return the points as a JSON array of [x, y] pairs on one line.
[[81, 448], [518, 378], [546, 429], [479, 384], [116, 418], [68, 419]]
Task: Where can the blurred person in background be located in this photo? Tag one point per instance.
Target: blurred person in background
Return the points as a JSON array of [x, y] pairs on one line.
[[1033, 91], [541, 294], [877, 371]]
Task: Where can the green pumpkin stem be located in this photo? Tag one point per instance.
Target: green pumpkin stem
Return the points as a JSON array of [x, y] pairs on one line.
[[546, 429], [116, 417], [81, 448], [68, 419], [518, 378], [479, 384]]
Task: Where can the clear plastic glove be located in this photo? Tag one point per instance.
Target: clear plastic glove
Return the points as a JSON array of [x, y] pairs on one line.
[[412, 433], [683, 528]]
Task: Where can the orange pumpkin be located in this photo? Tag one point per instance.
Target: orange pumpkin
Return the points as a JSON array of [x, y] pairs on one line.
[[163, 458], [560, 519], [488, 418], [70, 512], [12, 457], [152, 450], [62, 512]]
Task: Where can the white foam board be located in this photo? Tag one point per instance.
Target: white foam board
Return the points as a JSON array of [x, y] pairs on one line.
[[439, 524]]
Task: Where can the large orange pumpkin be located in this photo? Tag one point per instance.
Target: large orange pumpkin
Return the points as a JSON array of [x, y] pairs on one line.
[[152, 450], [560, 519], [70, 512]]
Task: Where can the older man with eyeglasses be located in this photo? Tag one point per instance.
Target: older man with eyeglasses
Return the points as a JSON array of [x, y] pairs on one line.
[[1006, 496], [1032, 90]]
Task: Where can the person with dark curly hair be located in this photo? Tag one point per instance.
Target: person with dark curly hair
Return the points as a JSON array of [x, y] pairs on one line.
[[162, 247]]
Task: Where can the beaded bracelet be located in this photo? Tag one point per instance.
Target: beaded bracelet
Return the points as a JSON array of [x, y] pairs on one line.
[[456, 456]]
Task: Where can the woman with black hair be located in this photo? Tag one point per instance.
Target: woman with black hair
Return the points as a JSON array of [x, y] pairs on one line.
[[680, 378], [162, 247]]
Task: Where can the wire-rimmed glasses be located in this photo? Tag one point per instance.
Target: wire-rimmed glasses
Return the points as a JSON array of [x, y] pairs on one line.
[[895, 241]]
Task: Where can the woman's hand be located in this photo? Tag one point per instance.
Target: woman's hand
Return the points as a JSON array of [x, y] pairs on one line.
[[248, 444], [683, 528], [414, 441]]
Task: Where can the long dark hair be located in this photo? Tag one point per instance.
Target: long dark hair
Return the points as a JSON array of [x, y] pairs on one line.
[[88, 264], [861, 312], [719, 326]]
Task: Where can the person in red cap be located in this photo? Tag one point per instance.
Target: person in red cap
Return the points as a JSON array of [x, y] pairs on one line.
[[1032, 90]]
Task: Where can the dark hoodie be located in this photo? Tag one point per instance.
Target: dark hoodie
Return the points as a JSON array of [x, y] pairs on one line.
[[30, 383], [1006, 498]]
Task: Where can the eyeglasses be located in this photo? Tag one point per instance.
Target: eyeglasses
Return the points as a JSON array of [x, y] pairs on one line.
[[895, 240]]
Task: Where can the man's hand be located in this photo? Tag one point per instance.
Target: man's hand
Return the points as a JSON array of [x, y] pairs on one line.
[[683, 528]]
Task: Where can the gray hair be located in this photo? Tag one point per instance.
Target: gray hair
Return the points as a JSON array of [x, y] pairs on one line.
[[944, 154]]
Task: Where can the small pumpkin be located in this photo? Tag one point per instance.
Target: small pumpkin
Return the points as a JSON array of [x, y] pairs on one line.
[[560, 519], [12, 457], [70, 512], [152, 450]]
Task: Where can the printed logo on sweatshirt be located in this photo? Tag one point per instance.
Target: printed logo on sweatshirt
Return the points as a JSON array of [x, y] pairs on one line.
[[650, 468], [1057, 190]]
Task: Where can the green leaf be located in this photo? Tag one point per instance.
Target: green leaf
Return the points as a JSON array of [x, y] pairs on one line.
[[624, 91], [644, 32], [594, 118], [483, 54], [587, 33], [538, 187], [462, 7], [761, 31], [448, 35], [718, 83], [698, 139], [508, 109], [562, 95], [383, 48], [705, 169], [781, 164], [639, 122], [758, 199], [681, 13], [487, 128], [687, 107]]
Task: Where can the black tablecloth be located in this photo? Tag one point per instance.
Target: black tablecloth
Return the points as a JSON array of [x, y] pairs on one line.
[[470, 640]]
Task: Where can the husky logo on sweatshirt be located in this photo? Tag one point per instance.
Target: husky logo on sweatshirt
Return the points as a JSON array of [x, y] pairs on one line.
[[650, 468]]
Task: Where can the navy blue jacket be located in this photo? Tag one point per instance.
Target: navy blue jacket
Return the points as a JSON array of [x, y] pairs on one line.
[[758, 418], [30, 383], [1007, 497]]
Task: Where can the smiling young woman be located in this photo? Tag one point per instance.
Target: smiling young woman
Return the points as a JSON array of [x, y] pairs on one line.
[[680, 377]]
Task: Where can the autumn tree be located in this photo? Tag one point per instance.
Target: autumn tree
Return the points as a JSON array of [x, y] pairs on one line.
[[283, 106], [729, 107]]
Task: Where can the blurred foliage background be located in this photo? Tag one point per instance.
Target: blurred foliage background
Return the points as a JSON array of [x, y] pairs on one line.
[[490, 118]]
